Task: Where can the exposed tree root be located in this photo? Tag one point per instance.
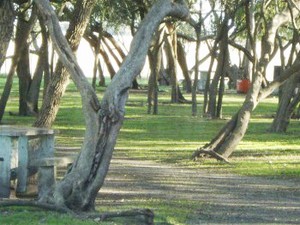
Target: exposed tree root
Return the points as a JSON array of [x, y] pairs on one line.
[[36, 204], [146, 215], [201, 153]]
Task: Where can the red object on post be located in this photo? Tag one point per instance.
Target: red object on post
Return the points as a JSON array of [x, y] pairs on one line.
[[243, 86]]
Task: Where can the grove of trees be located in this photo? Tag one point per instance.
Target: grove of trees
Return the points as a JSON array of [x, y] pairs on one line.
[[160, 30]]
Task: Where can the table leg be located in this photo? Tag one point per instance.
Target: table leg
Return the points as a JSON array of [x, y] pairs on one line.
[[46, 173], [47, 146], [22, 164], [5, 163]]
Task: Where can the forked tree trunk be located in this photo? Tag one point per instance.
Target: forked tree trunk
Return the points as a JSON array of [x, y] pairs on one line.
[[216, 88], [60, 78], [29, 88], [225, 142], [41, 69], [171, 52], [155, 61], [80, 186]]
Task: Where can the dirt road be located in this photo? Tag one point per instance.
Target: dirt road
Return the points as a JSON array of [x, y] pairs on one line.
[[222, 198]]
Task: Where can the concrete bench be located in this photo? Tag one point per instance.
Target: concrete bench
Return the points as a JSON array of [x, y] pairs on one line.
[[15, 153], [47, 171]]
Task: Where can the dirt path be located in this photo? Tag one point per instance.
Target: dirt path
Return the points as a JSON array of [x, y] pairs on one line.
[[223, 198]]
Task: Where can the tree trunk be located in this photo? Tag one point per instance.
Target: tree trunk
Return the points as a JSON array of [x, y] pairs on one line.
[[207, 83], [96, 61], [80, 186], [115, 44], [108, 64], [111, 52], [122, 54], [182, 62], [41, 68], [155, 59], [95, 43], [287, 105], [101, 75], [197, 56], [7, 18], [22, 34], [172, 61], [60, 78], [23, 72], [250, 42]]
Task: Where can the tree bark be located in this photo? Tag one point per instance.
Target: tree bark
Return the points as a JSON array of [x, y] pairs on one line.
[[80, 186]]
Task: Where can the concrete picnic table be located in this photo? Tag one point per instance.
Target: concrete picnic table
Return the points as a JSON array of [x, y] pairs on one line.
[[15, 153]]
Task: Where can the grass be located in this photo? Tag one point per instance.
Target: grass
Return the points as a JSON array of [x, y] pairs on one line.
[[170, 137]]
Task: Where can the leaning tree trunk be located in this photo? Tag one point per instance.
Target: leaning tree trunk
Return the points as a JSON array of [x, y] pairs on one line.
[[22, 34], [183, 64], [60, 78], [223, 145], [122, 54], [287, 105], [80, 186], [225, 142], [6, 27]]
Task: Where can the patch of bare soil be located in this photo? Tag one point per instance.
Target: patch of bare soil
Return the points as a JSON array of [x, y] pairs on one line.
[[222, 198]]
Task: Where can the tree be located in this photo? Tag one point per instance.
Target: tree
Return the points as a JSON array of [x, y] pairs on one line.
[[78, 189], [22, 34], [289, 95], [215, 90], [225, 142], [155, 61], [60, 78]]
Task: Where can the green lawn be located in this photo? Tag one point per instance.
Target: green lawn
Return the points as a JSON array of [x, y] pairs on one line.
[[171, 137]]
